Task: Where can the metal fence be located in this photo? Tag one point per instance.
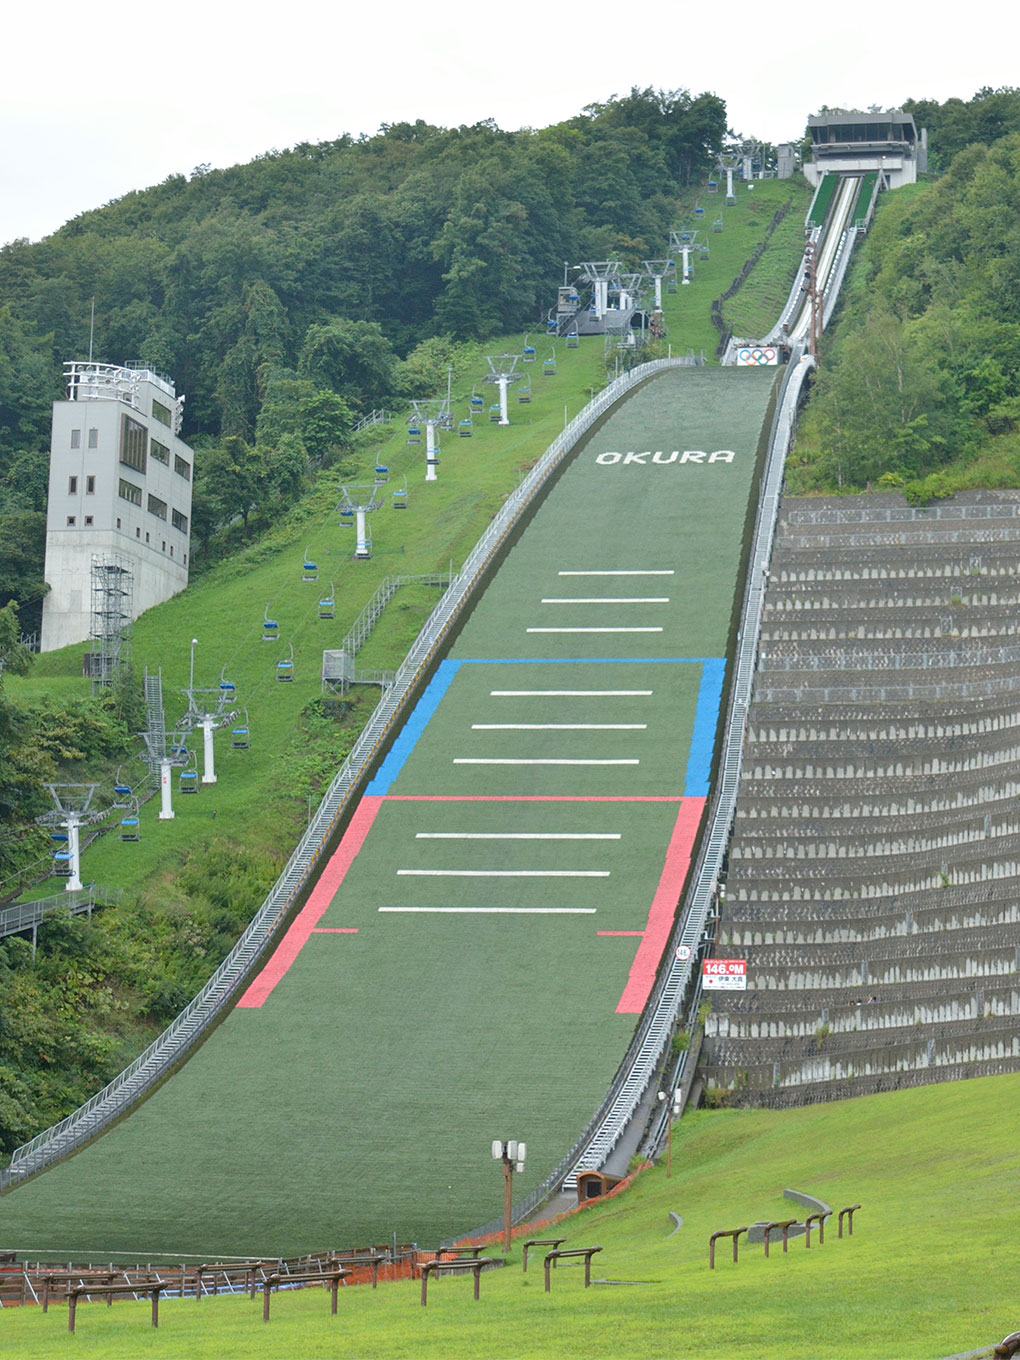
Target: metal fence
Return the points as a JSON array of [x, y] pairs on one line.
[[28, 915], [180, 1036]]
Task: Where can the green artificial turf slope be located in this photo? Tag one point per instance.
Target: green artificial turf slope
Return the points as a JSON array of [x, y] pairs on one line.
[[301, 1122]]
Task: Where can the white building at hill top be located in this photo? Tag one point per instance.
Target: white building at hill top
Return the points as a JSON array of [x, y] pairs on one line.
[[120, 487]]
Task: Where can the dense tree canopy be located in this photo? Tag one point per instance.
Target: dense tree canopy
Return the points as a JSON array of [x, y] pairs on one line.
[[282, 295]]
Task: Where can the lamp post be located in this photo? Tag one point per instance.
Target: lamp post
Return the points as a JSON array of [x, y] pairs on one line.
[[673, 1114], [510, 1153]]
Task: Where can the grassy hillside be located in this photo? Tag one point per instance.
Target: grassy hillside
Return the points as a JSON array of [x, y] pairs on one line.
[[923, 1276]]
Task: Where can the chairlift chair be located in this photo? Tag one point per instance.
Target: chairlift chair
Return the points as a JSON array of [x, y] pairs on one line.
[[310, 570], [524, 394], [285, 667], [121, 793], [465, 429], [400, 497], [60, 837], [703, 252], [382, 474], [573, 340], [713, 186], [477, 403], [130, 829], [270, 627], [495, 412], [698, 212], [62, 862], [327, 605], [413, 434], [672, 286], [188, 781], [717, 225], [346, 519], [240, 737], [528, 356], [549, 366]]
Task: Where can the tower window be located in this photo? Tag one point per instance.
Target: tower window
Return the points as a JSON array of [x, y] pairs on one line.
[[93, 438], [90, 486], [88, 521], [70, 521], [76, 439], [72, 486], [133, 440]]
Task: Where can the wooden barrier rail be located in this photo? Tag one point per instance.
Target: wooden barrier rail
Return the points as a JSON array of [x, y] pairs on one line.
[[553, 1256], [786, 1224], [540, 1242], [432, 1267], [153, 1287], [723, 1232], [330, 1277], [818, 1218], [851, 1209]]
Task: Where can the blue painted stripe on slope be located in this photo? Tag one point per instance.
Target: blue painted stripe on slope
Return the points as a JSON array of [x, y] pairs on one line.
[[411, 733], [706, 724]]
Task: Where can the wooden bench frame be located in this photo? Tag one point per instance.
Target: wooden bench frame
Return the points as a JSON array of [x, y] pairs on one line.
[[477, 1265], [330, 1277], [553, 1256]]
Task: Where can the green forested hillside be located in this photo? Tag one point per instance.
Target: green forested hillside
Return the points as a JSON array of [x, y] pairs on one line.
[[282, 295], [919, 384]]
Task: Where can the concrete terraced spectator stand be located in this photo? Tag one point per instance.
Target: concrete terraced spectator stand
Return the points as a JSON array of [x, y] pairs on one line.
[[874, 873]]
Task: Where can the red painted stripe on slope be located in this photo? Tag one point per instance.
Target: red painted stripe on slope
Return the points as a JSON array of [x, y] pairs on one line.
[[660, 917], [528, 798], [315, 908]]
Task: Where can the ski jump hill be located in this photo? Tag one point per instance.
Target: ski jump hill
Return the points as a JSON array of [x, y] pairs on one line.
[[477, 950], [485, 950]]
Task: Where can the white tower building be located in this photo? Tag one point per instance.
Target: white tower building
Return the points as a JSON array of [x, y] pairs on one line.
[[120, 486]]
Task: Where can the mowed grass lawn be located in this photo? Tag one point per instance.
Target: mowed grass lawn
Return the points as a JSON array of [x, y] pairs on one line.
[[928, 1272]]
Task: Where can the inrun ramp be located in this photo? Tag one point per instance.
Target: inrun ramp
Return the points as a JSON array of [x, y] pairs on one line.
[[473, 959]]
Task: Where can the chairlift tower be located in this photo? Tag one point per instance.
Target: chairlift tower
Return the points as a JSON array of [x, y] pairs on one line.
[[728, 162], [360, 501], [161, 758], [631, 288], [684, 241], [112, 611], [659, 269], [599, 274], [434, 413], [209, 709], [71, 811], [503, 373]]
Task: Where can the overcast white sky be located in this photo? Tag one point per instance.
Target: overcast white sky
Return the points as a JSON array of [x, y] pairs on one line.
[[96, 101]]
